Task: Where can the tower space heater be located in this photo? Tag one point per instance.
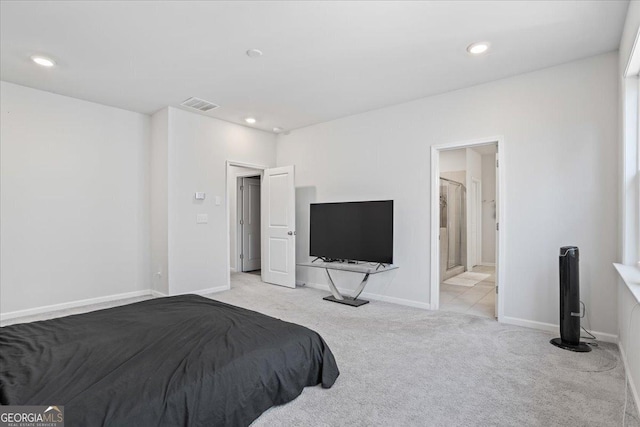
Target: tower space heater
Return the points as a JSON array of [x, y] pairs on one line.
[[570, 301]]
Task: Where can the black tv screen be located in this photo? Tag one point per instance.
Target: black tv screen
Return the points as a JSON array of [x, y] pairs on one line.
[[359, 231]]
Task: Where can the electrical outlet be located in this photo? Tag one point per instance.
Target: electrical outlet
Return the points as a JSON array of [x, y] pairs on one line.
[[202, 218]]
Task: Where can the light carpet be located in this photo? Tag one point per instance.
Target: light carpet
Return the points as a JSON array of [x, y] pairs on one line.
[[402, 366]]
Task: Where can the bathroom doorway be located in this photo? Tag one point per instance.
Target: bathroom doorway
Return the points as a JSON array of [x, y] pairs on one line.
[[465, 236]]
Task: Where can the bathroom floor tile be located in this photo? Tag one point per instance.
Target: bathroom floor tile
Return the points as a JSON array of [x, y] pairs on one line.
[[470, 292], [451, 288], [447, 296]]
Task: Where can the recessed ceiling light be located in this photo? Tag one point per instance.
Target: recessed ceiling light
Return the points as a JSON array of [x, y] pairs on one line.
[[250, 120], [43, 60], [254, 53], [277, 129], [478, 48]]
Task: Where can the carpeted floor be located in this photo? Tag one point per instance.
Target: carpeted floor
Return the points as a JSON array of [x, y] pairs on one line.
[[402, 366], [409, 367]]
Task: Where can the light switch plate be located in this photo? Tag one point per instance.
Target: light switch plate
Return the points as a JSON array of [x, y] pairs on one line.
[[218, 200], [200, 195], [202, 218]]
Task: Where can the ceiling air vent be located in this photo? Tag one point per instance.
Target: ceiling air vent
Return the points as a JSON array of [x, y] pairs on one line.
[[199, 104]]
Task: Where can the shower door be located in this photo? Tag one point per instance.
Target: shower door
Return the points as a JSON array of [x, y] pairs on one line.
[[453, 217]]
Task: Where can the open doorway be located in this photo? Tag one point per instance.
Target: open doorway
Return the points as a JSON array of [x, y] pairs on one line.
[[465, 220], [247, 222], [261, 232], [244, 217]]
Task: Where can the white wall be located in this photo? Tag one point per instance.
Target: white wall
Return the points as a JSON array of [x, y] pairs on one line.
[[74, 200], [453, 160], [474, 165], [629, 248], [198, 149], [559, 127], [232, 190], [474, 170], [488, 209], [629, 334], [453, 166], [159, 199]]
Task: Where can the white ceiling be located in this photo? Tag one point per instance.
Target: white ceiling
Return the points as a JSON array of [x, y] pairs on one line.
[[322, 60]]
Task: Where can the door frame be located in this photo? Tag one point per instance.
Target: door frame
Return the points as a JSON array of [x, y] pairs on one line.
[[239, 204], [500, 216], [228, 164]]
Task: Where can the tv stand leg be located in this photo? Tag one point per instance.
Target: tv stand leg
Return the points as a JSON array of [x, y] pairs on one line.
[[338, 297], [361, 286], [336, 293]]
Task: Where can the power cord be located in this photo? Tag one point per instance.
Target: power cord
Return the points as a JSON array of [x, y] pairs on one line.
[[591, 336], [626, 376]]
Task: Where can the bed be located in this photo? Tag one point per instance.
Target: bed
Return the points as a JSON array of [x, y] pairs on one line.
[[176, 361]]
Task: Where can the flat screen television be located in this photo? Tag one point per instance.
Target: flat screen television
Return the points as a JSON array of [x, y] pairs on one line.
[[358, 231]]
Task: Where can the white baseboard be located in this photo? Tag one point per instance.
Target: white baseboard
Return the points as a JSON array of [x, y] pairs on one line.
[[210, 290], [72, 304], [550, 327], [233, 270], [627, 371], [157, 294], [376, 297], [200, 292], [488, 264], [90, 301]]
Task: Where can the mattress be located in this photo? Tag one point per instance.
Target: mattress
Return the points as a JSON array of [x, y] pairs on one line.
[[184, 360]]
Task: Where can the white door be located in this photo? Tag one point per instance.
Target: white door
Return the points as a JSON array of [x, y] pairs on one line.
[[497, 232], [250, 224], [278, 226]]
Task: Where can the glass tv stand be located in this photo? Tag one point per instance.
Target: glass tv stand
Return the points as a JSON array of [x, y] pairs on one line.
[[365, 268]]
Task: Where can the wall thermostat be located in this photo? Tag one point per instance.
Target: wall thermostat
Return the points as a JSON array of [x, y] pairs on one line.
[[200, 196]]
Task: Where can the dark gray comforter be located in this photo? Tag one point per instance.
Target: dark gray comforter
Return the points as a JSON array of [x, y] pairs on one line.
[[184, 360]]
